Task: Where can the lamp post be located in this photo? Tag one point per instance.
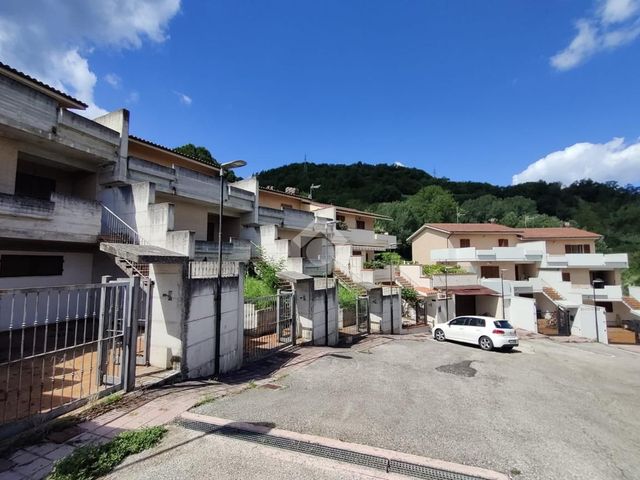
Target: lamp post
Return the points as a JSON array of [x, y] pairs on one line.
[[326, 275], [596, 283], [391, 288], [218, 297], [502, 270], [446, 290]]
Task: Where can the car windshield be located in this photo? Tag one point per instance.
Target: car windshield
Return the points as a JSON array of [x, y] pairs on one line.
[[502, 324]]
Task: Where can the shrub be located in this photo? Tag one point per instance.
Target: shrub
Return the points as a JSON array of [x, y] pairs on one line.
[[346, 298], [409, 295], [93, 461], [255, 287], [439, 269]]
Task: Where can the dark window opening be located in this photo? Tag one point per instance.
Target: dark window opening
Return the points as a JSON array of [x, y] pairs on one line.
[[566, 276], [30, 265], [340, 218], [465, 243], [489, 272], [286, 205], [503, 242], [360, 224], [586, 248], [608, 306], [34, 186]]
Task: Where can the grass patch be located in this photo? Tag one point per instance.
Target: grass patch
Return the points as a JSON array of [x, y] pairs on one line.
[[110, 400], [93, 461], [515, 471], [252, 384], [205, 400]]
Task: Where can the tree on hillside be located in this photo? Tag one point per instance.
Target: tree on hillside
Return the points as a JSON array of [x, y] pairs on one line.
[[203, 154], [433, 204]]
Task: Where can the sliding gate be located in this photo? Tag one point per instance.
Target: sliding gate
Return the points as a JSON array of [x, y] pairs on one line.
[[355, 320], [62, 345], [269, 325]]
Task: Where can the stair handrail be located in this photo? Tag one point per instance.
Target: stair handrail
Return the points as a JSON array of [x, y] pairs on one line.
[[114, 225]]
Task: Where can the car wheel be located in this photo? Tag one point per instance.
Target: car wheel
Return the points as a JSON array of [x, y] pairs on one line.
[[486, 343], [439, 335]]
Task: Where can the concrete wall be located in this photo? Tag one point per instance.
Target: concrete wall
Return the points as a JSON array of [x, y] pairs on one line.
[[423, 244], [584, 323], [200, 332], [311, 312], [188, 216], [522, 313], [486, 304]]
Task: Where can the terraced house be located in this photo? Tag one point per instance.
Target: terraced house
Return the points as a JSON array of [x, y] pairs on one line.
[[547, 279]]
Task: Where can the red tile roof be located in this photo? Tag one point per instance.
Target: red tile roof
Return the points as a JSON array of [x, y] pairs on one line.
[[451, 228], [172, 151], [556, 232], [68, 100]]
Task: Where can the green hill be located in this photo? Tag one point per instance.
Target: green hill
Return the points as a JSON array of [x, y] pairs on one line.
[[412, 197]]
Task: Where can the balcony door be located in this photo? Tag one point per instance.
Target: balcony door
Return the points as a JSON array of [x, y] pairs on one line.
[[490, 271]]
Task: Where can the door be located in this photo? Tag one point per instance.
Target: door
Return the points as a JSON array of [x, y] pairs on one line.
[[456, 327], [474, 330], [489, 271]]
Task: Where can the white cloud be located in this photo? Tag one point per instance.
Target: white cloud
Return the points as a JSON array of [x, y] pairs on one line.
[[133, 97], [52, 41], [613, 24], [112, 79], [601, 162], [184, 99]]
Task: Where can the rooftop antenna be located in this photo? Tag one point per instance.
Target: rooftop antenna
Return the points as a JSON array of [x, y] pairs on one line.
[[311, 189]]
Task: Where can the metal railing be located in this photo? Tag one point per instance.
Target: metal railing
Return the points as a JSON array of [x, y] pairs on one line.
[[202, 269], [59, 345], [116, 230]]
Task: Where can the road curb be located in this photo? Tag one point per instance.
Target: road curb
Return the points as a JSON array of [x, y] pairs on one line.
[[353, 447]]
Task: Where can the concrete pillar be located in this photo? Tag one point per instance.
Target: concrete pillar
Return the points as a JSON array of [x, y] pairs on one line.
[[8, 165], [375, 309], [167, 314]]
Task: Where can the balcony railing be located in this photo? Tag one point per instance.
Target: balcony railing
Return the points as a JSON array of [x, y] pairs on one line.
[[587, 260], [365, 238], [496, 254], [234, 251], [62, 218], [190, 184]]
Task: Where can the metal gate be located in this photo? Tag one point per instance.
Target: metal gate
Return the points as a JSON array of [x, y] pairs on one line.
[[355, 320], [269, 325], [61, 345], [144, 321]]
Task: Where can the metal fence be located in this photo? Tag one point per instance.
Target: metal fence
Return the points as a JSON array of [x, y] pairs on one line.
[[59, 345], [269, 325]]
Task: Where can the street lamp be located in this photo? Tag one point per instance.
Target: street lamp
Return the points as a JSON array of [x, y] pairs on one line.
[[596, 283], [391, 286], [502, 270], [326, 275], [218, 298], [446, 290]]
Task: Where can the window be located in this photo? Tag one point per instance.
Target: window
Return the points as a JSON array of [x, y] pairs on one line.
[[476, 322], [286, 205], [465, 243], [360, 224], [340, 218], [502, 324], [503, 242], [30, 265], [586, 248], [357, 253], [608, 306], [490, 272], [566, 276], [34, 186], [458, 321]]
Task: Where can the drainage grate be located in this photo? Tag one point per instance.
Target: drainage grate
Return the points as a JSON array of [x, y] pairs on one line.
[[363, 459]]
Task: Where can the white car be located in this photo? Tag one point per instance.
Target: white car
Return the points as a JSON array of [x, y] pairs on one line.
[[487, 332]]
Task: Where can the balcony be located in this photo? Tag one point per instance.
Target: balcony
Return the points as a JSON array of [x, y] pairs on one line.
[[234, 251], [454, 280], [495, 254], [62, 218], [364, 238], [587, 260], [188, 183], [290, 218], [32, 116]]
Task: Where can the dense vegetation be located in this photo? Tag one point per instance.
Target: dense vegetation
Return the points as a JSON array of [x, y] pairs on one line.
[[412, 197]]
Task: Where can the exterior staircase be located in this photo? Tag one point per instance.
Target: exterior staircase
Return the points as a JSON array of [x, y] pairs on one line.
[[403, 282], [347, 283], [132, 268], [284, 285], [632, 303], [553, 294]]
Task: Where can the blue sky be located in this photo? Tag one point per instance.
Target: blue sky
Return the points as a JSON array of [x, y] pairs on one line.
[[469, 89]]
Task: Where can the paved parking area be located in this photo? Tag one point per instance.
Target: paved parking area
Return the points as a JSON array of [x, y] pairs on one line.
[[547, 410]]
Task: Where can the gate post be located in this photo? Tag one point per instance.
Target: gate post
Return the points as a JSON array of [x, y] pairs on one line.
[[130, 336], [278, 306], [101, 314], [294, 319]]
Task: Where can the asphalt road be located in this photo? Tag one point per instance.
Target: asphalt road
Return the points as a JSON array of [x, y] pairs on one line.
[[544, 411]]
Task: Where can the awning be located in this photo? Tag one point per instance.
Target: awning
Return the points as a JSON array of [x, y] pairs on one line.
[[471, 290], [142, 253]]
